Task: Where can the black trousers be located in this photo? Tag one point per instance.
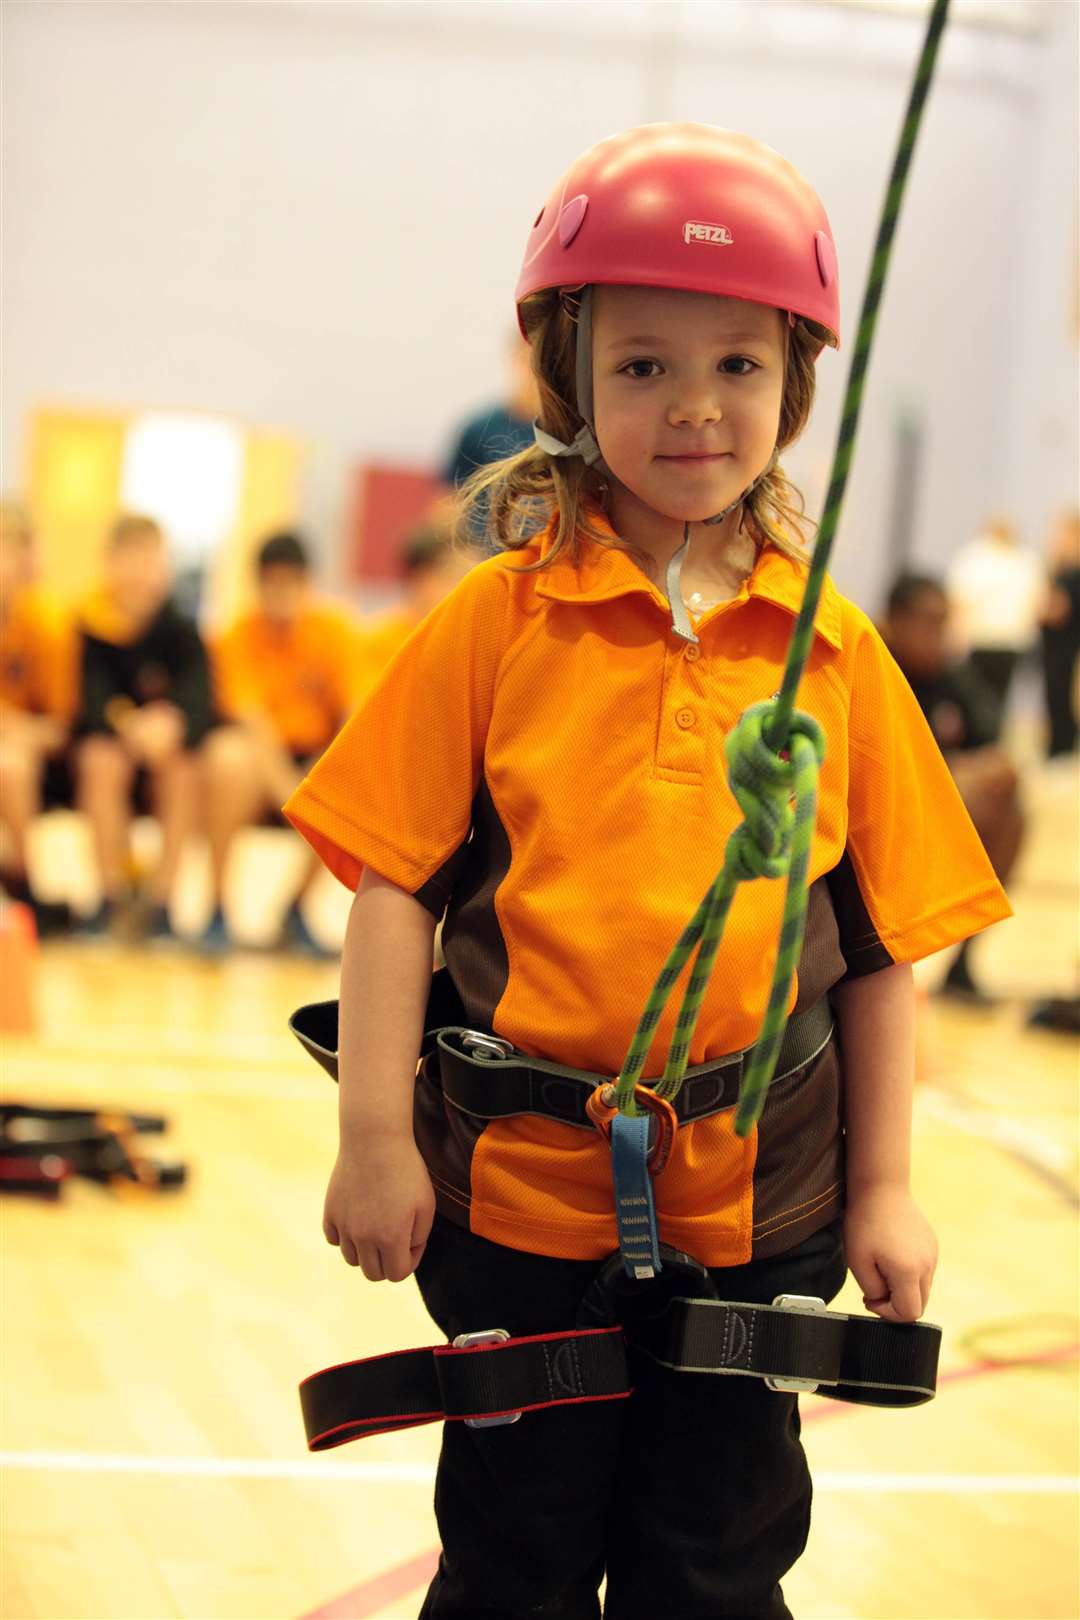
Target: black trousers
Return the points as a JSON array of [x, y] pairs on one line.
[[995, 667], [1060, 650], [692, 1496]]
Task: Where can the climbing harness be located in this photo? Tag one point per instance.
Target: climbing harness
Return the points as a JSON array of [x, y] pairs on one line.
[[794, 1345], [773, 755]]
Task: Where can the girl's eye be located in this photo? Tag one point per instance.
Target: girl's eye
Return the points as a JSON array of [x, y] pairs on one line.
[[640, 368], [738, 365]]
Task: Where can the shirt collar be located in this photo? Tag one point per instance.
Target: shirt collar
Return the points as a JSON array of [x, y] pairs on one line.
[[605, 573]]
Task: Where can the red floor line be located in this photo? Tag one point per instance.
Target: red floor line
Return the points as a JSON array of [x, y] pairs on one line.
[[363, 1600]]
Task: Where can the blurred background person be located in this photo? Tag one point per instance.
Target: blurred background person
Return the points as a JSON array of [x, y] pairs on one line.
[[962, 712], [505, 427], [286, 678], [38, 680], [1060, 622], [994, 586], [432, 563], [145, 710]]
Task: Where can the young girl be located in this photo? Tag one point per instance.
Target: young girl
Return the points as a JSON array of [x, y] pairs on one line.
[[543, 763]]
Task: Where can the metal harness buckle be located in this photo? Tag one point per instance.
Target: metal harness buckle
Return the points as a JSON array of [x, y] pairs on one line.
[[467, 1341], [809, 1305], [485, 1048]]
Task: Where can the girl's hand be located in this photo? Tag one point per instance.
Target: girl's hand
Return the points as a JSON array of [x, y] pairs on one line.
[[380, 1207], [892, 1252]]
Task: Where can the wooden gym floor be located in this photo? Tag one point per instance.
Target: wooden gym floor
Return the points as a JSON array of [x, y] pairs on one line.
[[154, 1457]]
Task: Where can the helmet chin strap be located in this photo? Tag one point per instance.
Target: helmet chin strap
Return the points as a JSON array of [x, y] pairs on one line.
[[584, 445], [584, 442], [680, 618]]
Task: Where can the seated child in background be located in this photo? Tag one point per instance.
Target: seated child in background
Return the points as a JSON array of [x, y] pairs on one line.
[[145, 711], [285, 677], [505, 426], [38, 680], [432, 563], [962, 712]]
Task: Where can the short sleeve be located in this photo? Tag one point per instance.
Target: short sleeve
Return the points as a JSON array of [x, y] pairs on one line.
[[915, 877], [395, 788]]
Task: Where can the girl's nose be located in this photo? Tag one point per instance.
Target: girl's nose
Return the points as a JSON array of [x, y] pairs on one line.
[[694, 407]]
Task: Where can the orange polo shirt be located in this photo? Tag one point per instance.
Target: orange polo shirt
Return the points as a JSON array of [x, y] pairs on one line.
[[544, 758], [303, 676], [38, 656]]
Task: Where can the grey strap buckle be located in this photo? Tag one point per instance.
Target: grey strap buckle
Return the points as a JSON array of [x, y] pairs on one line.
[[809, 1305], [468, 1341], [583, 444], [486, 1048]]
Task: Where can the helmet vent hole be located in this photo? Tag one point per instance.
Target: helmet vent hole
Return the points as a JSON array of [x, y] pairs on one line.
[[539, 217]]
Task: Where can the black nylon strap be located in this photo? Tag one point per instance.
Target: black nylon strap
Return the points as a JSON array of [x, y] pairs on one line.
[[499, 1088], [852, 1358], [410, 1387]]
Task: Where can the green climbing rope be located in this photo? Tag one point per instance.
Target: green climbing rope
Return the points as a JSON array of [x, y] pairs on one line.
[[774, 752]]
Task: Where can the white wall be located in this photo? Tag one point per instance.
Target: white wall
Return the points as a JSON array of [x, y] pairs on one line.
[[311, 215]]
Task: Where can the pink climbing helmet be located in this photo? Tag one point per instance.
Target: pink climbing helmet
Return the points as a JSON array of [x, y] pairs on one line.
[[693, 207]]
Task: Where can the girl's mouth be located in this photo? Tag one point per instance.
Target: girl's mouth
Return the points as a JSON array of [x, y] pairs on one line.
[[706, 459]]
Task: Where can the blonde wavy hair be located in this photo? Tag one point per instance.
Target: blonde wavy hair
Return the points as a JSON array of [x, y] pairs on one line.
[[508, 501]]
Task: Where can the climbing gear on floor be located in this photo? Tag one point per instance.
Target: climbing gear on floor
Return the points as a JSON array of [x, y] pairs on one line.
[[41, 1148], [795, 1345]]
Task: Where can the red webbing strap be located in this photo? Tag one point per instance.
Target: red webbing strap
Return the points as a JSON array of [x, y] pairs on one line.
[[442, 1382]]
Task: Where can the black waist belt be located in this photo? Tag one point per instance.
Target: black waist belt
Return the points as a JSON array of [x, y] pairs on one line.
[[489, 1378], [487, 1078]]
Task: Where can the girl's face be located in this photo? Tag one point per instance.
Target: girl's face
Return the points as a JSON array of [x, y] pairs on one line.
[[687, 390]]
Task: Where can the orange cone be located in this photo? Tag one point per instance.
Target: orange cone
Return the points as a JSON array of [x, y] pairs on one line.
[[18, 969]]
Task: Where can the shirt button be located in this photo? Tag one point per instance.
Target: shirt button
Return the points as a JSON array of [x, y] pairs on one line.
[[691, 653], [685, 718]]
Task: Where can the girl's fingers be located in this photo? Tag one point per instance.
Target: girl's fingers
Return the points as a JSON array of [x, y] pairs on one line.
[[370, 1261], [872, 1281], [330, 1232], [925, 1283], [906, 1299]]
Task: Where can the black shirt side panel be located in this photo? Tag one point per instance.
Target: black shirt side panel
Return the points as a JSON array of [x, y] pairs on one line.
[[859, 942]]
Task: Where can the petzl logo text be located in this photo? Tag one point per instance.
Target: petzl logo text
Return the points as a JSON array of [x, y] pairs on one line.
[[696, 230]]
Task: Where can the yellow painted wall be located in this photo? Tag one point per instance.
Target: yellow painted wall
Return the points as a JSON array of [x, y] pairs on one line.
[[269, 499], [73, 494]]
